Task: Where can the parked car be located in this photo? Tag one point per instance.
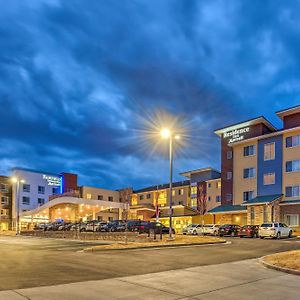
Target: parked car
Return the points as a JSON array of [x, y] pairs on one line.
[[275, 230], [64, 226], [248, 231], [52, 226], [229, 229], [210, 229], [190, 229], [158, 227], [93, 225], [40, 226], [113, 225]]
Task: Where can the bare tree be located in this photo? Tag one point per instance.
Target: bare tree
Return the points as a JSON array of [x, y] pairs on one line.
[[201, 203]]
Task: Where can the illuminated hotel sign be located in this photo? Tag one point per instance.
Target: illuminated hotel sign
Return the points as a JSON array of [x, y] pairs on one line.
[[236, 134], [52, 180]]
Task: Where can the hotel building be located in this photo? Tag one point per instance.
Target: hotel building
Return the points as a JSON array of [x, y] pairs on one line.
[[260, 171]]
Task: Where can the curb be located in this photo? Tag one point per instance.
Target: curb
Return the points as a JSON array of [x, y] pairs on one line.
[[154, 246], [277, 268]]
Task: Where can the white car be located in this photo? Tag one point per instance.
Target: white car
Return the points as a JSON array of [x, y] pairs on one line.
[[274, 230], [191, 229], [210, 229]]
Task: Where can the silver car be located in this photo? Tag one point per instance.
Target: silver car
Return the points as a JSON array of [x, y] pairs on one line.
[[191, 229], [274, 230]]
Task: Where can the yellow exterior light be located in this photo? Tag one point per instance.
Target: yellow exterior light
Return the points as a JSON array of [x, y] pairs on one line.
[[165, 133], [177, 137], [14, 179]]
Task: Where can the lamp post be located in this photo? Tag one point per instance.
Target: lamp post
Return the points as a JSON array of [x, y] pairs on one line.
[[17, 181], [167, 134]]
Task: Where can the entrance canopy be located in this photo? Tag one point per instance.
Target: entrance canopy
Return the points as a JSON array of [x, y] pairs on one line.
[[71, 208]]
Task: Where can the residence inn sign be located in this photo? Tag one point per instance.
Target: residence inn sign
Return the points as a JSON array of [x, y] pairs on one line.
[[236, 135]]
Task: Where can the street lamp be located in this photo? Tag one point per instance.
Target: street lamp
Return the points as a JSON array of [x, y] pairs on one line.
[[167, 134], [17, 181]]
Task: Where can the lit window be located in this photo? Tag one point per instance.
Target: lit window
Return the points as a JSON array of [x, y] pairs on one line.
[[249, 150], [292, 141], [269, 178], [292, 166], [173, 192], [292, 220], [180, 192], [269, 151], [3, 187], [193, 190], [292, 191], [249, 173], [219, 184], [229, 175], [88, 196]]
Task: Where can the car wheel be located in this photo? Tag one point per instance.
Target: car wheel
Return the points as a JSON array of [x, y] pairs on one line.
[[215, 233], [194, 232], [290, 234], [241, 236], [278, 236], [261, 237], [232, 234]]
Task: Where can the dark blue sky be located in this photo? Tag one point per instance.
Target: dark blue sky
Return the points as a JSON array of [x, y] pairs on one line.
[[80, 80]]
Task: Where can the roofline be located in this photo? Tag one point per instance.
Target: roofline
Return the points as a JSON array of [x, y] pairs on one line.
[[161, 187], [34, 171], [265, 136], [287, 111], [263, 120], [198, 171]]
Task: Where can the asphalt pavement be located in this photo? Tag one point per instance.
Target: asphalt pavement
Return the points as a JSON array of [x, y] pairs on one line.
[[31, 262]]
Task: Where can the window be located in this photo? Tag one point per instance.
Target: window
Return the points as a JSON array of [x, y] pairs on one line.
[[41, 201], [249, 173], [3, 187], [26, 200], [26, 188], [292, 141], [292, 166], [292, 220], [4, 212], [173, 192], [229, 175], [229, 154], [4, 200], [55, 191], [141, 197], [148, 196], [269, 151], [252, 215], [193, 190], [248, 195], [228, 197], [219, 184], [100, 197], [110, 218], [218, 198], [209, 199], [88, 196], [209, 185], [269, 178], [41, 189], [180, 203], [180, 192], [292, 191], [110, 198], [249, 150]]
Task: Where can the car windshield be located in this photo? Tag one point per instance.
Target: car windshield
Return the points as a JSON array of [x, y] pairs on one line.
[[267, 225]]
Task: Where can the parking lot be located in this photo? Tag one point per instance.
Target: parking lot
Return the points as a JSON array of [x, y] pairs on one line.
[[29, 262]]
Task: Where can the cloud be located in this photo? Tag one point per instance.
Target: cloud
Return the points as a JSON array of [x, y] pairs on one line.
[[80, 82]]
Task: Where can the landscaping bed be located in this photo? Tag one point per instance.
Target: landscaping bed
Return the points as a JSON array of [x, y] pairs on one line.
[[179, 240], [285, 261]]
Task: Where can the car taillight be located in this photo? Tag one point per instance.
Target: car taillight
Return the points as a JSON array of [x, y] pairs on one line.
[[142, 227]]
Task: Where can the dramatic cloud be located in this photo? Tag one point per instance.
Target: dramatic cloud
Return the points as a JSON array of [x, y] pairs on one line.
[[83, 82]]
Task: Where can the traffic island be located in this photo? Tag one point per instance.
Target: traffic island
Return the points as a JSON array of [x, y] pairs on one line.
[[179, 241], [288, 262]]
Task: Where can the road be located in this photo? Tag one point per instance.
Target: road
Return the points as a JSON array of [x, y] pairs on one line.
[[30, 262]]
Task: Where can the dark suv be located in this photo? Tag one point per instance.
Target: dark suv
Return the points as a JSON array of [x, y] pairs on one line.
[[229, 229], [158, 227]]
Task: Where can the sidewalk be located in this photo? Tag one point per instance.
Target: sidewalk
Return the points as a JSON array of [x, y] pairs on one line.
[[238, 280]]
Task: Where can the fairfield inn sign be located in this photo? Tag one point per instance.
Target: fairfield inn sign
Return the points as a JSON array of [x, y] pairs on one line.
[[236, 134]]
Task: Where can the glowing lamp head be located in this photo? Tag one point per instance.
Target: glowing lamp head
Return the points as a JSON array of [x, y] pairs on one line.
[[177, 137], [14, 179], [165, 133]]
